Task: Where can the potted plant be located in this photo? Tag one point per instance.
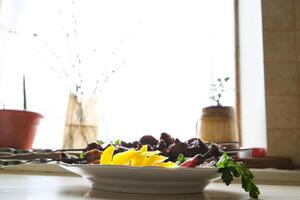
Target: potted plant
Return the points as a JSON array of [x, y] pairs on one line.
[[18, 127], [218, 123]]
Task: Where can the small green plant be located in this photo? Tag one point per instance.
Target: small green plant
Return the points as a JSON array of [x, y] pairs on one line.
[[218, 89]]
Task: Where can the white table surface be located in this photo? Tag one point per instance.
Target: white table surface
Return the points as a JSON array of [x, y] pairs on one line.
[[14, 186]]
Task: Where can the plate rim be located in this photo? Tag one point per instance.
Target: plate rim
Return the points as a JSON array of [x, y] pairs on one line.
[[137, 167]]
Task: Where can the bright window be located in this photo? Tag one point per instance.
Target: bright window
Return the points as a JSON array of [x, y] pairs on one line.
[[151, 60]]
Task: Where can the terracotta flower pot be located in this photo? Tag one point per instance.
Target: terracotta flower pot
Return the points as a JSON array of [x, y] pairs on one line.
[[18, 128]]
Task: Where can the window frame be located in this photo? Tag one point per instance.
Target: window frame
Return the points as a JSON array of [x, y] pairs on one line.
[[237, 81]]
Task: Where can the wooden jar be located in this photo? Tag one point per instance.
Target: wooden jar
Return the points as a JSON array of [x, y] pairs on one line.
[[218, 125], [81, 125]]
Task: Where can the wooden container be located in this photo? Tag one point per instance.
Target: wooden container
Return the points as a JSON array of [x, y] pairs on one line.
[[218, 125], [81, 125]]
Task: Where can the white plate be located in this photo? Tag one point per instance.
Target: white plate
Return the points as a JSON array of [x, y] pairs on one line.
[[145, 179]]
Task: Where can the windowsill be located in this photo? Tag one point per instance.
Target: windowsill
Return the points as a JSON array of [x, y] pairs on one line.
[[268, 176]]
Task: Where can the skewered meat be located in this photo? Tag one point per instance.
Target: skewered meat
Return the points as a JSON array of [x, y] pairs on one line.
[[148, 139], [129, 144], [196, 146], [92, 146], [167, 138], [118, 148], [177, 148], [198, 142], [70, 159], [91, 155], [167, 145], [162, 147], [215, 151]]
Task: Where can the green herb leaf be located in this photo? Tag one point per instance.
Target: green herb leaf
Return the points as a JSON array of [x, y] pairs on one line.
[[227, 176], [180, 159], [81, 155], [118, 142], [100, 142], [226, 79], [235, 172], [230, 169]]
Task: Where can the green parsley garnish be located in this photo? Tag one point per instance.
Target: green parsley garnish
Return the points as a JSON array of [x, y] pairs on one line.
[[180, 159], [230, 169], [100, 142], [81, 155], [118, 142]]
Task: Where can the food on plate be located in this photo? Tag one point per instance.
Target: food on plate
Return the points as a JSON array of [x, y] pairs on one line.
[[92, 155], [167, 152], [135, 158], [200, 159], [168, 146]]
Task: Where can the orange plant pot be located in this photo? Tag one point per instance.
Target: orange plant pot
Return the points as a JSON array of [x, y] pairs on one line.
[[18, 128]]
